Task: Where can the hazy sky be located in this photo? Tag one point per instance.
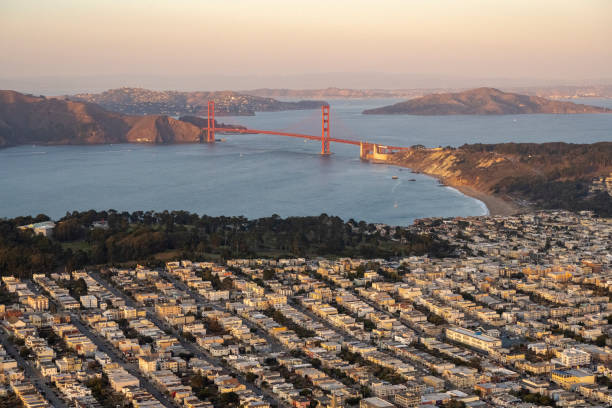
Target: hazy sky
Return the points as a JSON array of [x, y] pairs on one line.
[[249, 39]]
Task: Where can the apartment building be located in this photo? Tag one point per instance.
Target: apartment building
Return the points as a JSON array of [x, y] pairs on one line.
[[473, 339], [574, 358]]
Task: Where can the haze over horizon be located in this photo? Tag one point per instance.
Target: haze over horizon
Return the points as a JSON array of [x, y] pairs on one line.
[[70, 46]]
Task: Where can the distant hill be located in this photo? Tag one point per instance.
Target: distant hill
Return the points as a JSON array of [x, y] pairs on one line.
[[332, 92], [483, 101], [203, 122], [28, 119], [551, 91], [138, 101]]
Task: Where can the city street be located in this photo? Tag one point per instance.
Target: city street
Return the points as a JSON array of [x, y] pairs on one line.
[[32, 373]]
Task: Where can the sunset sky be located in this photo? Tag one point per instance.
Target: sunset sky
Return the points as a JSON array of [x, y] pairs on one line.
[[256, 40]]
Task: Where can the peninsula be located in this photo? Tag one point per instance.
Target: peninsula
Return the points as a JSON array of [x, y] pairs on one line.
[[138, 101], [512, 177], [548, 91], [26, 119], [482, 101]]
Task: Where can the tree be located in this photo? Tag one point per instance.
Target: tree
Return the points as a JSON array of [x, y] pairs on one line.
[[353, 401], [77, 288], [454, 404], [475, 363], [229, 398], [268, 274], [435, 319], [368, 325], [270, 361], [601, 340]]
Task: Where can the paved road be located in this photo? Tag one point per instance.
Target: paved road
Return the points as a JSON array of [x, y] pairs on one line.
[[194, 348], [32, 373], [108, 348], [275, 346]]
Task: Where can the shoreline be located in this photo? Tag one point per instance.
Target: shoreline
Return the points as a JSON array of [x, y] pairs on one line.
[[494, 205]]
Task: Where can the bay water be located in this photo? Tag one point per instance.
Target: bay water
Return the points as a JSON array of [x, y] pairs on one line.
[[261, 175]]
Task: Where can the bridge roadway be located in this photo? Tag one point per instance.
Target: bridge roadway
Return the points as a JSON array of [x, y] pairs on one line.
[[302, 136]]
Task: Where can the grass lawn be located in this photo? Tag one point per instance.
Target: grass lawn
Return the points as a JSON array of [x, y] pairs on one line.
[[76, 245]]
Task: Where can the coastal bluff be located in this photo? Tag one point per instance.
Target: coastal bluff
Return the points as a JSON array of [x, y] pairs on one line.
[[547, 175]]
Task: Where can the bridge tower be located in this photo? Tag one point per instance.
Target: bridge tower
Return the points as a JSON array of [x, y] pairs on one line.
[[210, 131], [325, 130]]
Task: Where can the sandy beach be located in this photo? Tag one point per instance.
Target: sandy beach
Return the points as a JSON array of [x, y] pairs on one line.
[[495, 205]]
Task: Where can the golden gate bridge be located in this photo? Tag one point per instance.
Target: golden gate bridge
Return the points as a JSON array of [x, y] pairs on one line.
[[367, 150]]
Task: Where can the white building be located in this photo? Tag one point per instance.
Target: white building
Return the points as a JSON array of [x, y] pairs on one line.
[[473, 339], [574, 358], [40, 228], [89, 301]]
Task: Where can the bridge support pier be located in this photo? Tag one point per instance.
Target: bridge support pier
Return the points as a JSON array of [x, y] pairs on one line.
[[365, 150], [325, 130]]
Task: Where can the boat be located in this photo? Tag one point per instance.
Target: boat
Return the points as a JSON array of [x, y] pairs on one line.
[[411, 179], [394, 177]]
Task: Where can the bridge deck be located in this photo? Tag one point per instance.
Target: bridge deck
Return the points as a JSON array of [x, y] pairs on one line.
[[303, 136]]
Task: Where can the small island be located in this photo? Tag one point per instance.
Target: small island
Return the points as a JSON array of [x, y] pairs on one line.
[[482, 101]]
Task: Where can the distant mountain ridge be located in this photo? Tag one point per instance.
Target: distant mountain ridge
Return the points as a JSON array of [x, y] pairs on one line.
[[553, 92], [483, 101], [26, 119], [139, 101]]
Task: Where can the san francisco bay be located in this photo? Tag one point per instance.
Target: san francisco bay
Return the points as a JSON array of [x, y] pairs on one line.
[[261, 175]]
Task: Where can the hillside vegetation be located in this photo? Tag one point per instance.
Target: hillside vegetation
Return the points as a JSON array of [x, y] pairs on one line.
[[547, 175], [483, 101], [139, 101], [149, 236], [26, 119]]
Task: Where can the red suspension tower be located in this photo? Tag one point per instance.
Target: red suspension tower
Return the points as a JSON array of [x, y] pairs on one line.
[[325, 130], [210, 134]]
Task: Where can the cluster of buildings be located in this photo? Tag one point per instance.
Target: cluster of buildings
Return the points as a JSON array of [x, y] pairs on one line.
[[137, 101], [522, 316], [602, 184]]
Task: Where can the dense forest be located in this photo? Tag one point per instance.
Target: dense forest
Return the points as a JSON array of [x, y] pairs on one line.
[[561, 177], [536, 175], [549, 195], [556, 160], [153, 237]]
